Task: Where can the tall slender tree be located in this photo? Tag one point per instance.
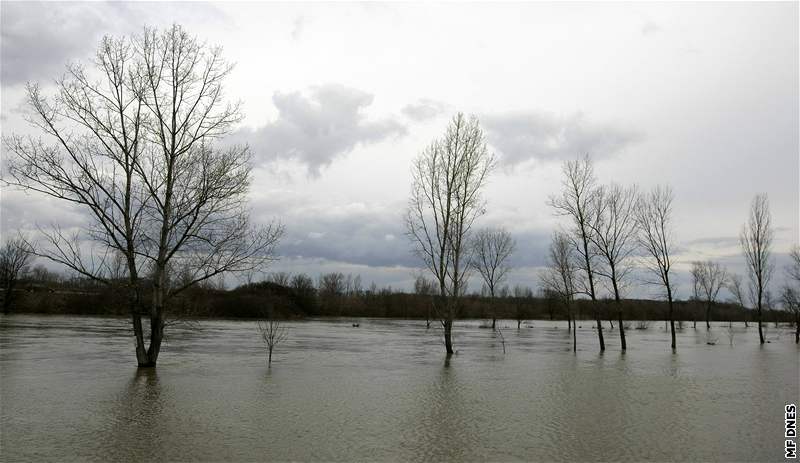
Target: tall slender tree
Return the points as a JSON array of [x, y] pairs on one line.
[[447, 179], [577, 198], [614, 240], [654, 217], [558, 278], [756, 240]]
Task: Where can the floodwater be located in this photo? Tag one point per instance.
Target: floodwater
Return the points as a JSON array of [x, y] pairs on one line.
[[384, 391]]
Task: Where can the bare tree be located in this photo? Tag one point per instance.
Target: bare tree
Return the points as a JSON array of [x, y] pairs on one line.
[[576, 202], [448, 177], [280, 278], [614, 239], [756, 239], [136, 151], [332, 284], [273, 332], [709, 278], [15, 256], [653, 217], [425, 288], [558, 278], [790, 294], [522, 297], [791, 303], [491, 249], [734, 286]]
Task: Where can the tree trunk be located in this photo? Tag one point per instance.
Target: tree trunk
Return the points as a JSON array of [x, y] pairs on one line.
[[519, 322], [448, 340], [494, 321], [618, 301], [760, 332], [142, 360], [600, 332], [671, 322], [574, 338], [797, 329], [708, 315], [156, 336], [574, 327], [269, 358]]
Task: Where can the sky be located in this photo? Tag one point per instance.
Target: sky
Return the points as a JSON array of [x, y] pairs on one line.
[[340, 98]]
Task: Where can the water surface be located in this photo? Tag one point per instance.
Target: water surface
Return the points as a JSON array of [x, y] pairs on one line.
[[69, 390]]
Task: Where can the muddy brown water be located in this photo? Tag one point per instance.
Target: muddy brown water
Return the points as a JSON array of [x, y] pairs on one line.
[[69, 390]]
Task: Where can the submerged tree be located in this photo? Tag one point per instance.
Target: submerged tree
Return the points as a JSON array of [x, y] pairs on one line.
[[447, 179], [491, 250], [756, 239], [734, 286], [15, 256], [425, 289], [273, 332], [709, 278], [614, 239], [654, 217], [522, 297], [576, 202], [135, 151], [558, 278]]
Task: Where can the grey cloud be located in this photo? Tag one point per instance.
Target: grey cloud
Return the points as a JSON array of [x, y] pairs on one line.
[[649, 28], [714, 242], [424, 109], [354, 233], [317, 128], [38, 38], [520, 137], [298, 27]]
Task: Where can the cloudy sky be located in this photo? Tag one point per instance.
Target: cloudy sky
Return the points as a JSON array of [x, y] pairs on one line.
[[339, 98]]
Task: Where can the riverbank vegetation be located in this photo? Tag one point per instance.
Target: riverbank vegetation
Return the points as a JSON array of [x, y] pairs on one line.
[[297, 296]]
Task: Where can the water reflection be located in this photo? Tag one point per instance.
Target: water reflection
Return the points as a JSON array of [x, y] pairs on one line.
[[439, 431], [140, 420]]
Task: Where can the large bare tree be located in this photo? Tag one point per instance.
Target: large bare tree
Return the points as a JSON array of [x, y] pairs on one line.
[[447, 179], [654, 217], [558, 277], [130, 140], [15, 256], [491, 250], [576, 202], [614, 239], [756, 239], [709, 278]]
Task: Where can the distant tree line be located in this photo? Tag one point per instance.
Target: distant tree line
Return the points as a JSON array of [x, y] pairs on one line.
[[287, 296]]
